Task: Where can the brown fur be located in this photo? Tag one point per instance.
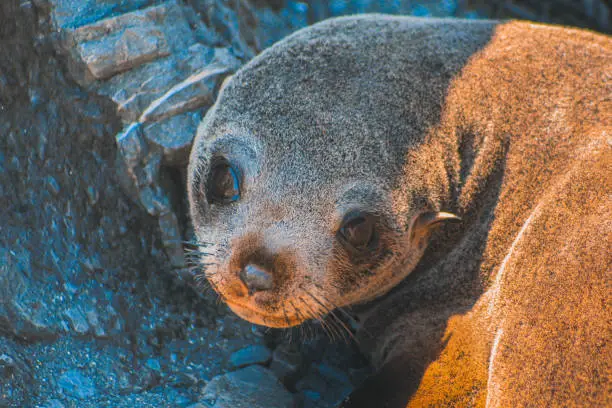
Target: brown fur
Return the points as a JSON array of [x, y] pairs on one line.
[[506, 124], [539, 334]]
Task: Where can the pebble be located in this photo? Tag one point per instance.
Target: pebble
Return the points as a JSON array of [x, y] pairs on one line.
[[250, 387], [77, 319], [153, 364], [250, 355], [75, 384], [286, 364], [7, 366]]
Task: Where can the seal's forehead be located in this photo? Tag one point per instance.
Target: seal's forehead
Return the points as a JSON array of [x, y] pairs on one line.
[[324, 99], [349, 96]]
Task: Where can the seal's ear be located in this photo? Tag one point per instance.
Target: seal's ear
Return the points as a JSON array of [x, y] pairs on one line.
[[431, 218], [424, 223]]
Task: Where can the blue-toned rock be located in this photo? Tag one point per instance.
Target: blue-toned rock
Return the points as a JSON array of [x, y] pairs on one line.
[[250, 355], [250, 387], [75, 384]]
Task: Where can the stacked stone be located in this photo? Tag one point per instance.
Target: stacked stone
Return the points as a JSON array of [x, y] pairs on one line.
[[147, 60]]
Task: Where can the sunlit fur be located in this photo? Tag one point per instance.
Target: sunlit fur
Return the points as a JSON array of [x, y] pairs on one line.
[[505, 124]]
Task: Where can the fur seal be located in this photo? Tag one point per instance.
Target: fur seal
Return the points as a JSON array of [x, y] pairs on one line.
[[319, 179]]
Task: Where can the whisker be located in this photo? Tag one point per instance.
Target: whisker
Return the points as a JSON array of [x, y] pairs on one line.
[[331, 324], [304, 319], [318, 318], [335, 318], [341, 309], [343, 325]]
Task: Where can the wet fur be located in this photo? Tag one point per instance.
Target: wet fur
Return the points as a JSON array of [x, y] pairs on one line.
[[506, 124]]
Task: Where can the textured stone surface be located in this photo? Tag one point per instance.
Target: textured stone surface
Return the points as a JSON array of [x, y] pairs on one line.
[[15, 373], [122, 50], [75, 13], [124, 41], [135, 90], [250, 355], [77, 385], [171, 239], [287, 362], [174, 136], [147, 63], [250, 387], [52, 403], [324, 386], [194, 91], [77, 320]]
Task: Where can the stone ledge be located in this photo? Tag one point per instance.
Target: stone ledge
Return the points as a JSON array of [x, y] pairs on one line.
[[116, 44]]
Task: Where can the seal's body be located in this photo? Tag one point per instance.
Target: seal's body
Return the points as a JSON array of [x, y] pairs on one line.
[[320, 176]]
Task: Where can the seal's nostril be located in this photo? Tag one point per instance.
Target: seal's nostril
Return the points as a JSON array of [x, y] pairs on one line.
[[256, 278]]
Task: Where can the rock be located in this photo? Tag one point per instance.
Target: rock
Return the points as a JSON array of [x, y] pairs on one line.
[[92, 195], [183, 380], [333, 374], [122, 50], [274, 26], [75, 13], [338, 7], [171, 239], [94, 322], [155, 201], [250, 387], [286, 364], [195, 90], [53, 185], [131, 144], [7, 366], [148, 173], [52, 403], [75, 384], [120, 43], [198, 405], [29, 323], [16, 375], [77, 319], [312, 399], [174, 137], [143, 88], [250, 355], [325, 385], [153, 364]]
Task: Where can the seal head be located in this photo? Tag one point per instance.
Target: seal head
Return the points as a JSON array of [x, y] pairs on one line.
[[310, 179]]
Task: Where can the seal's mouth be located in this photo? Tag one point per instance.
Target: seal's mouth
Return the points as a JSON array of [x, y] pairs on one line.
[[247, 312]]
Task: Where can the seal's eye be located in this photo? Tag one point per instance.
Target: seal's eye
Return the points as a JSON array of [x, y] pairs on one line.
[[357, 230], [223, 183]]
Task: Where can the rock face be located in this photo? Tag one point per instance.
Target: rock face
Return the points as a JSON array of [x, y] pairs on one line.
[[148, 63], [251, 387]]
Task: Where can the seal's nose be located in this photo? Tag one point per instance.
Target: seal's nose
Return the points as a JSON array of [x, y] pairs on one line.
[[256, 278]]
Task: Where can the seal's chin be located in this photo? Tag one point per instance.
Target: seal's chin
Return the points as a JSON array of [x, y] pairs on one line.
[[261, 318]]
